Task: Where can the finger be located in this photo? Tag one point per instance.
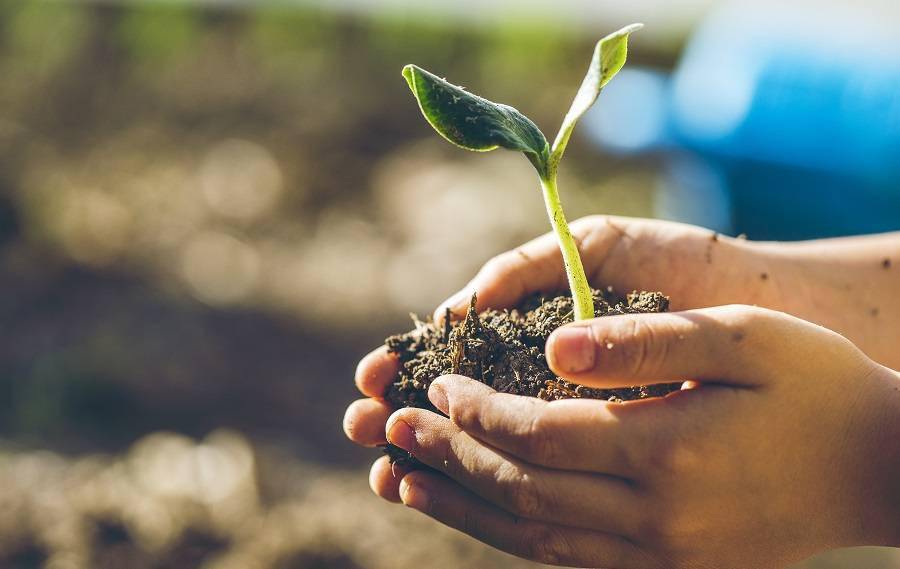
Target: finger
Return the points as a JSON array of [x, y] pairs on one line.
[[723, 344], [364, 421], [573, 434], [450, 504], [536, 266], [591, 501], [385, 477], [376, 372], [507, 278]]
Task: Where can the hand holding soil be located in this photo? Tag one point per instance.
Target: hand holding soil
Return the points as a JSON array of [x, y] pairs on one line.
[[848, 285], [769, 460], [782, 445]]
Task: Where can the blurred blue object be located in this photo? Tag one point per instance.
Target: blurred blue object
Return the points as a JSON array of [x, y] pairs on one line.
[[781, 121]]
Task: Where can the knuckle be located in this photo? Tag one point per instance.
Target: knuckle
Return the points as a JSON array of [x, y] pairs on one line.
[[631, 457], [664, 530], [742, 322], [638, 351], [519, 492], [588, 222], [672, 534], [746, 316], [651, 529], [482, 416], [538, 444], [500, 264], [673, 456], [453, 457], [656, 530], [544, 544], [469, 417], [662, 460]]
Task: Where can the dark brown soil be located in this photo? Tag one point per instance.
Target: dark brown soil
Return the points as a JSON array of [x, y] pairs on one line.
[[505, 350]]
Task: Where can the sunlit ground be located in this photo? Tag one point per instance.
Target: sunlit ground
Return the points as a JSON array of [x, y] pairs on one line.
[[171, 501]]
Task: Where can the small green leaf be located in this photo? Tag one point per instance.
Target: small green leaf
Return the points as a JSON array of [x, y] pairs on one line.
[[472, 122], [609, 57]]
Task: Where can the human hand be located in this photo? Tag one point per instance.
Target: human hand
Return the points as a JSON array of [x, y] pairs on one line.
[[624, 253], [843, 284], [695, 267], [785, 445], [620, 252]]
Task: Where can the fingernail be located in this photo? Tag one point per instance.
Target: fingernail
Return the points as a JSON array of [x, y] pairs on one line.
[[398, 471], [438, 397], [414, 496], [571, 350], [402, 435]]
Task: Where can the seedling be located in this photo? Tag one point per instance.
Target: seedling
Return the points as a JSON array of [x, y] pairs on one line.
[[477, 124]]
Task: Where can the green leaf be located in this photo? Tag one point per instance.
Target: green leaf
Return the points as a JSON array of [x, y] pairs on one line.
[[609, 57], [472, 122]]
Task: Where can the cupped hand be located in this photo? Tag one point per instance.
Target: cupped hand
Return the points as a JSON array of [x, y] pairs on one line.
[[620, 252], [696, 267], [784, 444], [842, 284]]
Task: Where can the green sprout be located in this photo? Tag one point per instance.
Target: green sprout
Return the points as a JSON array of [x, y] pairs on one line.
[[477, 124]]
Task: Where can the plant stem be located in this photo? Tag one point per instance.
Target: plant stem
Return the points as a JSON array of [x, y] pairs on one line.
[[581, 292]]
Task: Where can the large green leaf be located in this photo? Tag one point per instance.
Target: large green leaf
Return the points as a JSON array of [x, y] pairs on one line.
[[472, 122]]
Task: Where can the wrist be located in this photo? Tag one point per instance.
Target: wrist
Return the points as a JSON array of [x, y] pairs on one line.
[[842, 284], [893, 440], [771, 275], [880, 506], [809, 285]]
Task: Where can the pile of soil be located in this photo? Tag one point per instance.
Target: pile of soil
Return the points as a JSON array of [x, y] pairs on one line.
[[505, 350]]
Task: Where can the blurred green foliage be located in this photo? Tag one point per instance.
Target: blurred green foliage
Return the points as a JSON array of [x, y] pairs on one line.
[[40, 38], [158, 32]]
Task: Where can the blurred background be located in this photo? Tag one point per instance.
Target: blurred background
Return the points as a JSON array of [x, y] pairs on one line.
[[210, 210]]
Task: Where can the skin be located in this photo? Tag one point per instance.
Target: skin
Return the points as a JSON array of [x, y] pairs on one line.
[[783, 443]]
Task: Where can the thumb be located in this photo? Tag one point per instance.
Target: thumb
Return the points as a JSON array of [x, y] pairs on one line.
[[509, 277], [716, 344]]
